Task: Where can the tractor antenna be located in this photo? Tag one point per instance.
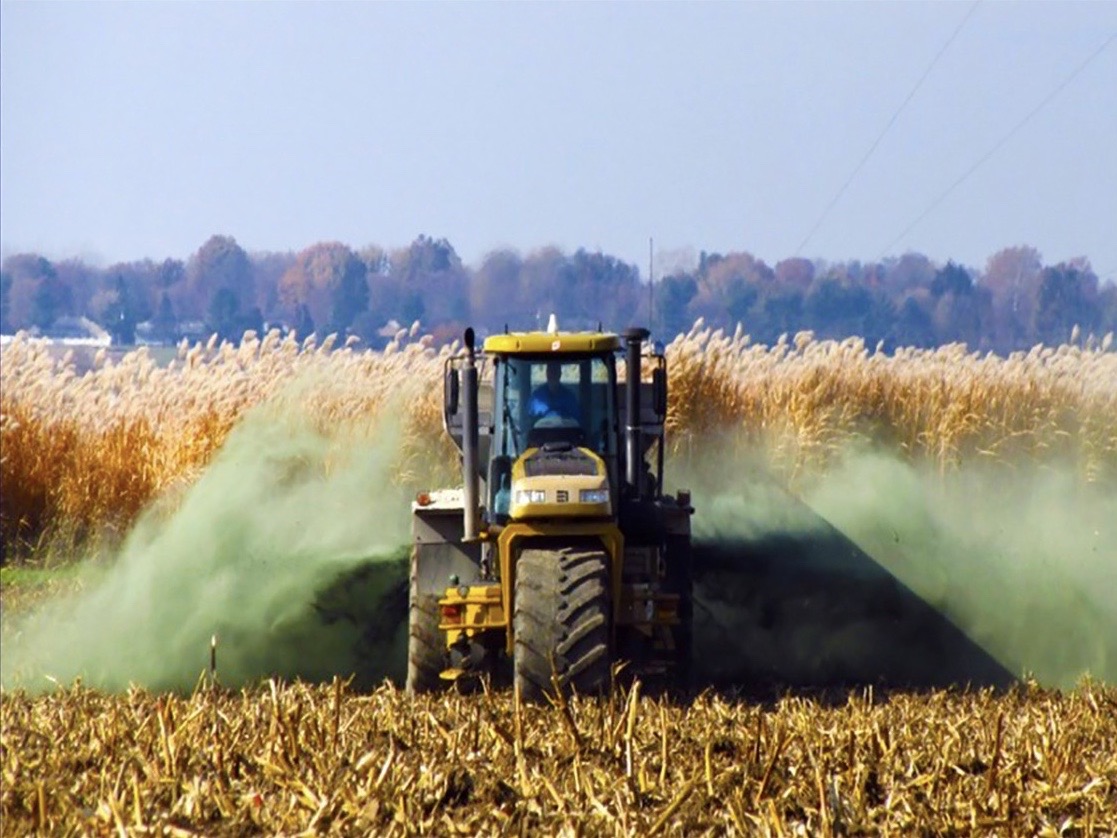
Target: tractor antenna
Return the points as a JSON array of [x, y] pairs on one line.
[[651, 286]]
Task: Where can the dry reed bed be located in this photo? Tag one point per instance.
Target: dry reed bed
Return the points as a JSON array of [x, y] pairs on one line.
[[803, 402], [288, 758], [84, 453]]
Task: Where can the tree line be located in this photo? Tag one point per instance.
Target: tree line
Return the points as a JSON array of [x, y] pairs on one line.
[[1013, 302]]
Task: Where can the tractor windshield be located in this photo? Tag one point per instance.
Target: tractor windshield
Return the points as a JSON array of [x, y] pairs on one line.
[[548, 399]]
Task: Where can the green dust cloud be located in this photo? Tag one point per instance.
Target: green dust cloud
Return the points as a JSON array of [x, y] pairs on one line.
[[883, 572], [286, 549]]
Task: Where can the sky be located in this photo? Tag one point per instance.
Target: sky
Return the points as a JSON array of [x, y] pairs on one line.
[[138, 130]]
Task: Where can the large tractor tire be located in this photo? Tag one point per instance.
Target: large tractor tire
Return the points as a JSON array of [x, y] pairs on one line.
[[426, 656], [562, 621]]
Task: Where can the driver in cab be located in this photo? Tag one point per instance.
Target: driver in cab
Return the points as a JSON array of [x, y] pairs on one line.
[[553, 398]]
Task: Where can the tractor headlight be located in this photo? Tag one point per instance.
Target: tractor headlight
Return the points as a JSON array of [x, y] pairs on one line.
[[594, 496], [524, 496]]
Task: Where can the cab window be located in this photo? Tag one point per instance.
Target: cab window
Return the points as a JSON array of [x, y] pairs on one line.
[[544, 399]]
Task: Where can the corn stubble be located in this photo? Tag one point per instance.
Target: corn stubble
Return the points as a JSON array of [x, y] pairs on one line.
[[292, 758]]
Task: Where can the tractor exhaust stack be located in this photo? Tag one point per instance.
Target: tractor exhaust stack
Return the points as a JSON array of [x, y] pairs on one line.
[[634, 448], [470, 468]]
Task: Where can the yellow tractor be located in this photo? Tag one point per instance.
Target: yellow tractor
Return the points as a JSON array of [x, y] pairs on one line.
[[561, 556]]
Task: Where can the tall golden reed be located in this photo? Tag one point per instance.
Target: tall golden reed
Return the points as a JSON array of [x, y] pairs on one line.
[[83, 454], [803, 402]]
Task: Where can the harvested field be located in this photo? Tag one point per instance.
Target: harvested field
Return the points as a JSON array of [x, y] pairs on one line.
[[288, 759]]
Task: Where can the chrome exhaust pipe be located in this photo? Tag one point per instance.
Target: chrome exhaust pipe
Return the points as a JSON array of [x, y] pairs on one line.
[[634, 447], [471, 522]]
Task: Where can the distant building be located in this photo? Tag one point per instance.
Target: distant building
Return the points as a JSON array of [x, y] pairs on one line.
[[74, 331]]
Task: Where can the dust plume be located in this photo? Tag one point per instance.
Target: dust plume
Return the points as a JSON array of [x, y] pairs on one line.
[[286, 549], [882, 571]]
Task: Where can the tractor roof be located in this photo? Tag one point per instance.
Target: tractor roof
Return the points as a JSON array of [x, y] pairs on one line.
[[531, 343]]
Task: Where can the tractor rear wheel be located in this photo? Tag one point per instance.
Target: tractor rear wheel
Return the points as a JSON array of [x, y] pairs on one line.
[[426, 656], [561, 621]]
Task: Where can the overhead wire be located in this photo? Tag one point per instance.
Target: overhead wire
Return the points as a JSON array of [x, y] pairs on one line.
[[1000, 143], [896, 115]]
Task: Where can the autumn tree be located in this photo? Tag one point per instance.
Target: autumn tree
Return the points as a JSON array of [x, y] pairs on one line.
[[594, 287], [912, 270], [304, 323], [960, 309], [121, 314], [223, 314], [267, 271], [849, 300], [83, 282], [432, 284], [28, 302], [219, 264], [51, 300], [672, 304], [1107, 309], [795, 273], [728, 287], [169, 273], [376, 260], [914, 326], [6, 282], [1012, 277], [164, 323], [495, 294], [779, 310], [124, 295], [540, 283], [951, 279], [1067, 297], [330, 282]]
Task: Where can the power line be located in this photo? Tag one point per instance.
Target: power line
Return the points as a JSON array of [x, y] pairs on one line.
[[911, 94], [1000, 143]]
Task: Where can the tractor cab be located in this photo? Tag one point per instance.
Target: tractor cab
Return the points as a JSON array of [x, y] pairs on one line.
[[552, 407], [554, 430]]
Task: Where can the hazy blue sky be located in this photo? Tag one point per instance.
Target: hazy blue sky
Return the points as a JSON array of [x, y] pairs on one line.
[[130, 130]]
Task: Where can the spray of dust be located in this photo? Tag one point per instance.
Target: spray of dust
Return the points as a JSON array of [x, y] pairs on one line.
[[286, 549], [883, 572]]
